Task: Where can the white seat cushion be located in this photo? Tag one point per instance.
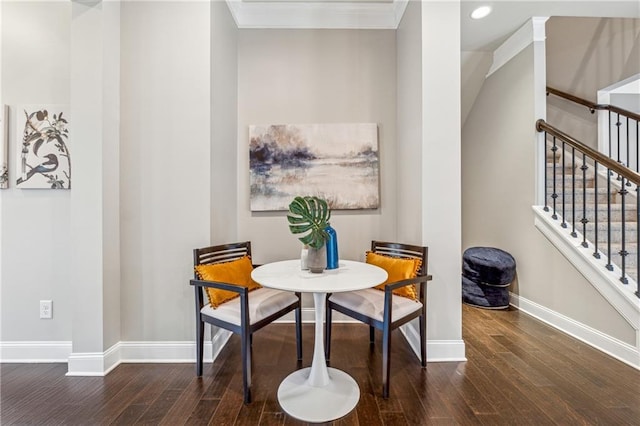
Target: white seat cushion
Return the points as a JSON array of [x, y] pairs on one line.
[[262, 303], [370, 302]]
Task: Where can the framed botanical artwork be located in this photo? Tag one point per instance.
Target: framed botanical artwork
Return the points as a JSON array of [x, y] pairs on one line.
[[4, 147], [338, 162], [44, 160]]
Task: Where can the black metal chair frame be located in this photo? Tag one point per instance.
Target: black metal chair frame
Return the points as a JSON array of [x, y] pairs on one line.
[[386, 325], [226, 253]]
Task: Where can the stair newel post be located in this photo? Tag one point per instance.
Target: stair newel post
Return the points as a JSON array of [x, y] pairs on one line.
[[596, 254], [584, 219], [623, 252], [609, 266], [573, 193]]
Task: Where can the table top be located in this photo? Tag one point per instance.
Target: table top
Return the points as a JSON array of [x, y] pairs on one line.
[[350, 276]]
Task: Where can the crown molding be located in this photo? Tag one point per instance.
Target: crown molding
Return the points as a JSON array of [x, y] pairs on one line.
[[317, 15], [532, 30]]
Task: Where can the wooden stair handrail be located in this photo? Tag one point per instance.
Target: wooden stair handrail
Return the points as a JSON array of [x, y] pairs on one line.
[[593, 106], [602, 159]]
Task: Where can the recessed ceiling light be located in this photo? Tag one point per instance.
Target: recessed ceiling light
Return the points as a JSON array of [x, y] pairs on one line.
[[481, 12]]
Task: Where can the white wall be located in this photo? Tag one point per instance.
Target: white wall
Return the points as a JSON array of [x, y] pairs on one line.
[[498, 175], [317, 76], [165, 163], [95, 252], [441, 182], [35, 245]]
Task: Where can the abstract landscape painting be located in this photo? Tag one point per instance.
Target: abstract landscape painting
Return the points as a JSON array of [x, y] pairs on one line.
[[43, 154], [338, 162]]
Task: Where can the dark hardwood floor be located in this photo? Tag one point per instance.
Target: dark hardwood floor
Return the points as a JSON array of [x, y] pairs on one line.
[[519, 372]]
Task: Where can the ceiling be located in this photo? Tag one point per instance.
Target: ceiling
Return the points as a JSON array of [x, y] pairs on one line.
[[476, 35]]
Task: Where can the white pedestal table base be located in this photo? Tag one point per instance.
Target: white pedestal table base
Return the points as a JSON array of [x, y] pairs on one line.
[[318, 404], [318, 394]]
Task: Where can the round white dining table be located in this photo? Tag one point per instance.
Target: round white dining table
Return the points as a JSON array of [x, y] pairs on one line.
[[318, 393]]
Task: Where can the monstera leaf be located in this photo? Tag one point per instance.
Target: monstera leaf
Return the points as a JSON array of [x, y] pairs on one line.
[[309, 215]]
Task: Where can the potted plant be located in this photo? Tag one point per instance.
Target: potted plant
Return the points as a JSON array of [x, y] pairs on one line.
[[310, 216]]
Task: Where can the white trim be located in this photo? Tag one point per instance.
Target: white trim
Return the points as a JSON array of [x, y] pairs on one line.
[[620, 350], [100, 364], [317, 15], [620, 296], [532, 30], [437, 350], [35, 351], [172, 352], [93, 363]]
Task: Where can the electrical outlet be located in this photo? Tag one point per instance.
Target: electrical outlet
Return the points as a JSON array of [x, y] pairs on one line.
[[46, 309]]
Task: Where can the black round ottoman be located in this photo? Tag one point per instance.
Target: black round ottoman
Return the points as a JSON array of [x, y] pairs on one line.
[[487, 273]]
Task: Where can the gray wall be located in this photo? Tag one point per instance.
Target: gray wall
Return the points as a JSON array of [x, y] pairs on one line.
[[585, 55], [35, 246], [498, 179], [317, 76], [190, 84], [165, 163], [224, 128], [627, 101], [409, 116]]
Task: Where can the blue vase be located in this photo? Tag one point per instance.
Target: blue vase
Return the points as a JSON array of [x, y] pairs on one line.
[[332, 248]]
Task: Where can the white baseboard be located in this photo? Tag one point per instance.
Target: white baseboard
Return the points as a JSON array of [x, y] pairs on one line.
[[437, 350], [101, 363], [620, 350], [53, 351], [621, 297]]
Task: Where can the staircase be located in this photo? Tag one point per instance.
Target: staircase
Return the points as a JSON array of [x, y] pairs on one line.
[[581, 206]]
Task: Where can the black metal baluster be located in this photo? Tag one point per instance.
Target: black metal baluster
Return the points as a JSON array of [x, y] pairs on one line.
[[637, 151], [584, 219], [628, 153], [623, 252], [609, 266], [554, 195], [596, 254], [546, 173], [610, 143], [564, 192], [618, 123], [573, 192]]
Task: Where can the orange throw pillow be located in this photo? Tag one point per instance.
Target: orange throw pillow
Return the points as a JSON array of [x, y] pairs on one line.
[[235, 272], [398, 269]]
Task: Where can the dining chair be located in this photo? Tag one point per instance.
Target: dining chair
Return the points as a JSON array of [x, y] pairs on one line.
[[236, 302], [388, 306]]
